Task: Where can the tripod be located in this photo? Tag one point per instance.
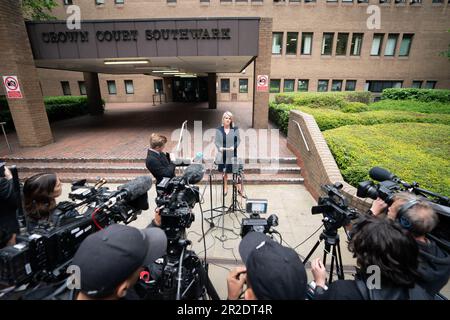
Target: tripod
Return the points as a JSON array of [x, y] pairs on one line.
[[332, 246]]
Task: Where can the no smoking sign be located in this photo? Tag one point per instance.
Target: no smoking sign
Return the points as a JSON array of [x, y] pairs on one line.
[[12, 87], [262, 83]]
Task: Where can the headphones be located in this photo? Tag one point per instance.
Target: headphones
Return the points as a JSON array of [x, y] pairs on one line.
[[402, 219]]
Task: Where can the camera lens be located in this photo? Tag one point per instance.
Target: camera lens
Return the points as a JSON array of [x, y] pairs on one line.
[[367, 189]]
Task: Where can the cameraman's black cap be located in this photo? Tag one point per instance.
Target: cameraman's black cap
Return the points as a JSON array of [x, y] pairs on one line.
[[274, 272], [110, 256]]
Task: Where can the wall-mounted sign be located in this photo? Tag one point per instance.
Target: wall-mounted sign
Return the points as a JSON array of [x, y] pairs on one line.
[[262, 83], [12, 87]]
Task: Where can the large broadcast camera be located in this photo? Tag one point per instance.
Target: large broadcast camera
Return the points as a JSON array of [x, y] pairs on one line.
[[179, 274], [389, 184], [255, 223], [44, 253]]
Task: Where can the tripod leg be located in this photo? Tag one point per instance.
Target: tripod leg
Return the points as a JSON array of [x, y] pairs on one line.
[[339, 264], [311, 252], [333, 258]]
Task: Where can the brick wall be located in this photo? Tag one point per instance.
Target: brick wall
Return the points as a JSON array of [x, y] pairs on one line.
[[318, 164]]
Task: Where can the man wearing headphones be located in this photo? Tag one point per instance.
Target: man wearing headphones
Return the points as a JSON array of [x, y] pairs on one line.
[[419, 218]]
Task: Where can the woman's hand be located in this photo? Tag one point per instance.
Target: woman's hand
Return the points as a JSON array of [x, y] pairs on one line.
[[319, 272]]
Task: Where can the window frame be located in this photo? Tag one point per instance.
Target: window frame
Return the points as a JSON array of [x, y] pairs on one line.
[[289, 81], [298, 85], [411, 38], [318, 85], [246, 85], [350, 81], [324, 36], [113, 82], [288, 40], [336, 81], [126, 87], [80, 85], [222, 82], [346, 43], [380, 45], [281, 44], [394, 51], [302, 44], [360, 44], [270, 85]]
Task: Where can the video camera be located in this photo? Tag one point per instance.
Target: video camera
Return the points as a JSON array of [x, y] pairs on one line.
[[255, 223], [389, 184], [44, 253]]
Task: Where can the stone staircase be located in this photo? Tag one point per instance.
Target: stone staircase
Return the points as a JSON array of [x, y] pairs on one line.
[[260, 171]]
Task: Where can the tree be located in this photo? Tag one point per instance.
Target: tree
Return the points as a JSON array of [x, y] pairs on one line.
[[38, 9]]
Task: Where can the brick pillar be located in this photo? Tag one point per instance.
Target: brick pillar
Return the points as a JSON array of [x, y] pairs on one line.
[[16, 58], [260, 119], [94, 95], [212, 92]]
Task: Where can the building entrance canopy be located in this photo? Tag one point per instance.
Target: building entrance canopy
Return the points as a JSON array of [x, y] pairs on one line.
[[191, 46]]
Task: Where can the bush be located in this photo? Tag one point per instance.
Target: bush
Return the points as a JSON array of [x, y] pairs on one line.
[[425, 95], [411, 105], [58, 108], [279, 114], [331, 119], [354, 107], [413, 151], [332, 100]]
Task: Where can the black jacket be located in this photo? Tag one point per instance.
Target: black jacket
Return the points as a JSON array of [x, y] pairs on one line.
[[351, 290], [160, 165], [434, 266], [8, 206]]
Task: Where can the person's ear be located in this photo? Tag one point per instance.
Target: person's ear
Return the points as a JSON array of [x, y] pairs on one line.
[[249, 294], [121, 290]]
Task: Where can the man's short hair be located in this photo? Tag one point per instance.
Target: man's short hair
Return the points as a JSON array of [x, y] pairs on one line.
[[157, 140]]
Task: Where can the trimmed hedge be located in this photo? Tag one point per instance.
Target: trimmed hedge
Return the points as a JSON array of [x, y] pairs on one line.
[[355, 107], [425, 95], [331, 100], [411, 105], [413, 151], [58, 108]]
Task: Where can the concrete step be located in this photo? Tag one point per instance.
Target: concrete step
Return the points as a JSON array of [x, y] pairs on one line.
[[263, 178]]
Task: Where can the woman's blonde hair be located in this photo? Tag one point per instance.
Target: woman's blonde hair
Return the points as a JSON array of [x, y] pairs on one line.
[[228, 114]]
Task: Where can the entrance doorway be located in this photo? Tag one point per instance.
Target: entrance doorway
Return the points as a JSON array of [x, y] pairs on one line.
[[190, 89]]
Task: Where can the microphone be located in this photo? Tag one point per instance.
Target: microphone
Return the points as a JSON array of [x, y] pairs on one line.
[[381, 174], [135, 188], [198, 158], [194, 173]]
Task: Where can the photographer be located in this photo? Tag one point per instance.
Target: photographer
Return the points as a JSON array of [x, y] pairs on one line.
[[8, 204], [271, 272], [383, 244], [40, 192], [111, 260], [158, 162], [418, 218]]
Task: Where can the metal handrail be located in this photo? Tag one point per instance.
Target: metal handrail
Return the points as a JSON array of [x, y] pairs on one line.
[[183, 127], [303, 136]]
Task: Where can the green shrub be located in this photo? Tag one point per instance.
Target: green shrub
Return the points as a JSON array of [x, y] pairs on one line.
[[332, 100], [354, 107], [413, 151], [279, 114], [330, 119], [411, 105], [425, 95]]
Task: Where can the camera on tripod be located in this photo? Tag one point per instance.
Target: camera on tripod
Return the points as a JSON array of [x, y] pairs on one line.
[[255, 223], [45, 252]]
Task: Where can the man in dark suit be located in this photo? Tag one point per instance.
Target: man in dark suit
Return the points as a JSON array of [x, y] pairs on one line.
[[158, 162]]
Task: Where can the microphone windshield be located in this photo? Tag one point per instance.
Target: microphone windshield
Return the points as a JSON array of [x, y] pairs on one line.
[[381, 174], [194, 173], [137, 187]]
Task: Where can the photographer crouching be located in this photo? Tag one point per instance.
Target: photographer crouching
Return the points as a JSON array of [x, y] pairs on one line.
[[418, 218]]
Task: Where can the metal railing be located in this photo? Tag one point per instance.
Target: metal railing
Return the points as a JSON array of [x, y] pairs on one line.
[[303, 136]]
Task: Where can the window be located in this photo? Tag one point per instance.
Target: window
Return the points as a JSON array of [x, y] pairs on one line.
[[347, 1], [379, 86], [405, 45], [384, 1], [355, 49], [291, 44], [277, 42], [288, 85], [158, 85], [111, 87], [341, 45], [129, 88], [302, 85], [336, 85], [430, 84], [327, 43], [119, 1], [67, 2], [306, 42], [82, 86], [224, 85], [350, 85], [275, 85], [415, 1], [376, 44], [391, 44], [322, 85], [437, 1], [243, 85], [65, 88], [363, 1], [97, 2], [306, 1], [417, 84]]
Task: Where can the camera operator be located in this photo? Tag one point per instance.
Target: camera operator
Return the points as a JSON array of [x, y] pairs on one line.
[[419, 218], [8, 204], [158, 162], [271, 272], [40, 192], [382, 243], [111, 260]]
